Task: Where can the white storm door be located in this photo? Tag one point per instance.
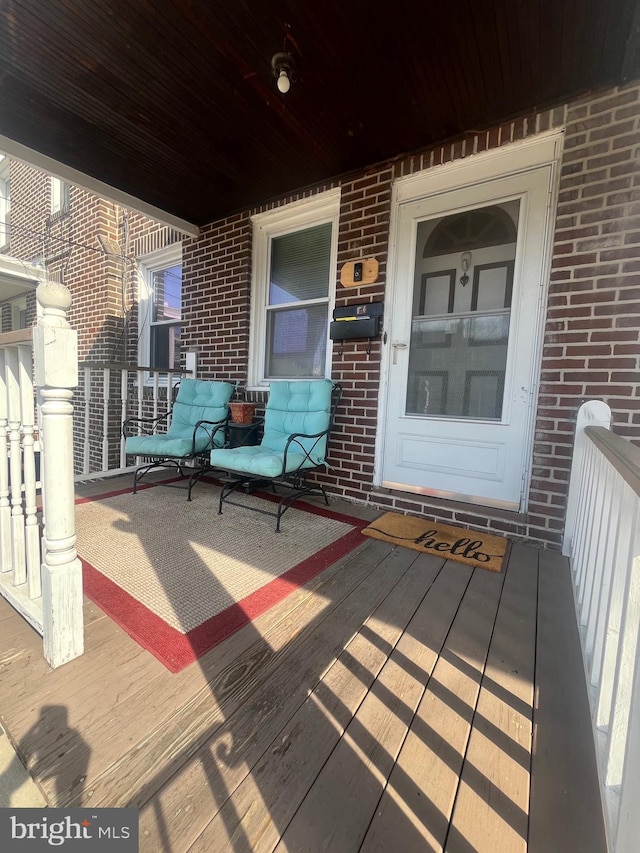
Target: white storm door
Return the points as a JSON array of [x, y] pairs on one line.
[[463, 340]]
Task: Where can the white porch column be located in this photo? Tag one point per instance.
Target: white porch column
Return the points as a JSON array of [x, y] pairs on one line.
[[56, 371]]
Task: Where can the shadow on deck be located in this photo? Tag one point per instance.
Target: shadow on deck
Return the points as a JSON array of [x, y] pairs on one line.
[[395, 702]]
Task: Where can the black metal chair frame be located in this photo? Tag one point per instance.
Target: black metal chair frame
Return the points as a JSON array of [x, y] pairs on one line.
[[148, 426], [292, 480]]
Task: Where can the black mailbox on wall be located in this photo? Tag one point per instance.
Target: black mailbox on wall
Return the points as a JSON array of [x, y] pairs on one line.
[[356, 322]]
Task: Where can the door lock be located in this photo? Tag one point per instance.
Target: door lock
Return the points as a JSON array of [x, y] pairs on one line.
[[396, 346]]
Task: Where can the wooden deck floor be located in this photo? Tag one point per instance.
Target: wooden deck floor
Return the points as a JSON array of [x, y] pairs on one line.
[[397, 702]]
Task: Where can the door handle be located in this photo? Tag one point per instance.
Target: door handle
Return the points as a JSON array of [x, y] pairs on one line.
[[396, 346]]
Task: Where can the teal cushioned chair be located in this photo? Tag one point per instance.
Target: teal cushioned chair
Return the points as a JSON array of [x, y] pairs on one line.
[[297, 422], [199, 419]]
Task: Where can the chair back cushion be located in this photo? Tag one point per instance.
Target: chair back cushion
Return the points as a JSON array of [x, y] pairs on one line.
[[298, 407], [199, 400]]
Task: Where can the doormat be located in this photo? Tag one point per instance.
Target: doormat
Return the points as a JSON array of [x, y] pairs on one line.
[[179, 578], [472, 547]]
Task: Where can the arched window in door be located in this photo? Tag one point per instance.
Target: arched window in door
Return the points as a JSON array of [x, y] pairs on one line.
[[473, 229]]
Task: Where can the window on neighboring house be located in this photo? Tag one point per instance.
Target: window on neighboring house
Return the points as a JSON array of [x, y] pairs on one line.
[[294, 254], [5, 201], [59, 196], [19, 313], [160, 308]]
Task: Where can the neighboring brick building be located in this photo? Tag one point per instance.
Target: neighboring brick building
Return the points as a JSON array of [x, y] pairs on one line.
[[588, 348]]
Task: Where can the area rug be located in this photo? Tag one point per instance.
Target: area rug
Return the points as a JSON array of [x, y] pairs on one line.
[[472, 547], [179, 578]]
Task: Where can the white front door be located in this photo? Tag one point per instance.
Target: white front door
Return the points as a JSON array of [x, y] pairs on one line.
[[463, 340]]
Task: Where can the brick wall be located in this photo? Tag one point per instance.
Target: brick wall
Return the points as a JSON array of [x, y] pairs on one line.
[[68, 245], [216, 292], [591, 342], [29, 190]]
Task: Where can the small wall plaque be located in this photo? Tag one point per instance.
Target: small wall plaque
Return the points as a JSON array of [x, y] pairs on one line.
[[355, 273]]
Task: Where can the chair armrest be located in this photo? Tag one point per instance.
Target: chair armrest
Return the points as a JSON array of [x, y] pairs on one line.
[[293, 438], [205, 425], [146, 426]]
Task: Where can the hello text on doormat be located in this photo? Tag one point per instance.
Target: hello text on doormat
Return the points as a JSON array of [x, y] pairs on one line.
[[472, 547]]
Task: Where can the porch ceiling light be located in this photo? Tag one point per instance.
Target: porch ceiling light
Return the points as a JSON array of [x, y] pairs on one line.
[[282, 65]]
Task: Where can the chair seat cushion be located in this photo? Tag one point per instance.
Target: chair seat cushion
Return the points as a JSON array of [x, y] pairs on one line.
[[163, 445], [257, 461]]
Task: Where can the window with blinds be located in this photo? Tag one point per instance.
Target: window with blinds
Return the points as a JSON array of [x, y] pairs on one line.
[[166, 313], [298, 298], [293, 289], [160, 309]]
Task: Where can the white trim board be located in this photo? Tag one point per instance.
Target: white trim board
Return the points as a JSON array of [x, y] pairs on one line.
[[80, 179], [508, 160]]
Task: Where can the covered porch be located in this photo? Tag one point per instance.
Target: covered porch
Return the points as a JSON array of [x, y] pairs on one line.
[[396, 701]]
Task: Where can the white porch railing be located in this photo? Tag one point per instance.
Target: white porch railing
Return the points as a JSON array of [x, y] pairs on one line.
[[40, 574], [109, 393], [602, 539]]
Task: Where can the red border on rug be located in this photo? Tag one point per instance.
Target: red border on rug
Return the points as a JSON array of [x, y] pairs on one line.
[[177, 650]]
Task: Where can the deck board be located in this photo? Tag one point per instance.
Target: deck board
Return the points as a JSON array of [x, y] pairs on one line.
[[566, 811], [430, 763], [390, 703], [491, 809], [403, 800], [351, 781]]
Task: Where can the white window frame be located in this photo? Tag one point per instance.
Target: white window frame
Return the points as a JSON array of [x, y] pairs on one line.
[[18, 306], [59, 196], [297, 216], [147, 266], [5, 200]]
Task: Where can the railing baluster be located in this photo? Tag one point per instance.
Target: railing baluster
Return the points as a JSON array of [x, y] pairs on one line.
[[581, 533], [5, 505], [601, 522], [18, 555], [156, 386], [627, 524], [595, 514], [86, 445], [140, 394], [169, 397], [140, 386], [625, 665], [106, 400], [628, 824], [32, 529], [124, 379], [614, 538], [593, 413]]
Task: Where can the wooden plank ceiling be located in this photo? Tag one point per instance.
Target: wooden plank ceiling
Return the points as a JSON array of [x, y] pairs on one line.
[[174, 101]]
